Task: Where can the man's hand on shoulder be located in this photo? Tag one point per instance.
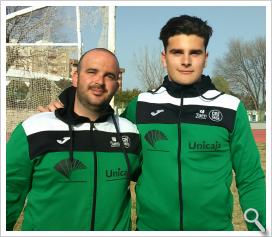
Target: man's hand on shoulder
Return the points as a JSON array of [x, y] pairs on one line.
[[51, 107]]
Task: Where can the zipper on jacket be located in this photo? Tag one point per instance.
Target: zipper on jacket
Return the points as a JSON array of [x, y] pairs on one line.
[[94, 183], [179, 165]]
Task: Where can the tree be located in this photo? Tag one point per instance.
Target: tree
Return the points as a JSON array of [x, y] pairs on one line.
[[150, 69], [221, 84], [122, 98], [28, 28], [249, 103], [244, 68]]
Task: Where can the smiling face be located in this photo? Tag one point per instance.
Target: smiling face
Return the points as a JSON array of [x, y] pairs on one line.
[[185, 58], [96, 82]]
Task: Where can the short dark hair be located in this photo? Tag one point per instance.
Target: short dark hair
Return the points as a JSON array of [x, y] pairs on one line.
[[188, 25], [95, 49]]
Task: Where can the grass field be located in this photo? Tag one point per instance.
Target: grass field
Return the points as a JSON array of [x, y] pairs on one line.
[[238, 221]]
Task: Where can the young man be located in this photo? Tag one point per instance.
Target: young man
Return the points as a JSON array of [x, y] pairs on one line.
[[74, 166], [193, 136]]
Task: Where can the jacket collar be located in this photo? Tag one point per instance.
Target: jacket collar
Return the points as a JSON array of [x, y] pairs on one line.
[[196, 89], [67, 114]]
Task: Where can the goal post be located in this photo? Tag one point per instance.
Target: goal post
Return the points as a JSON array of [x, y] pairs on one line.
[[39, 67]]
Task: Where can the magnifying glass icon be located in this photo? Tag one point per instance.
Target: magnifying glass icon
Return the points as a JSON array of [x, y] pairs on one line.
[[254, 220]]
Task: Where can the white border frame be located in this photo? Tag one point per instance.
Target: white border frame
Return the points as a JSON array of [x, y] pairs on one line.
[[267, 4]]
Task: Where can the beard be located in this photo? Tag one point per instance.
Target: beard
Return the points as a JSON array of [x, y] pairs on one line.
[[90, 102]]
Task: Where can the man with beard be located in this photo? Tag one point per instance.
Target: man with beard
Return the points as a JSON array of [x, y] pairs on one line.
[[74, 165]]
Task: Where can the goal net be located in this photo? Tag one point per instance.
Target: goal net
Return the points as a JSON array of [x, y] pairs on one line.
[[42, 51]]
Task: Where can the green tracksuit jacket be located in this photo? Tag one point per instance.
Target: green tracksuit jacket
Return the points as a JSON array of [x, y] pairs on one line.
[[193, 137], [73, 172]]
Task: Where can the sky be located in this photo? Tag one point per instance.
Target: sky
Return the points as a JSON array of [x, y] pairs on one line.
[[138, 27]]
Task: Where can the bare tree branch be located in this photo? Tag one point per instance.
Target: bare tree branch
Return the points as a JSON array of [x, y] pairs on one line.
[[29, 28], [150, 69], [244, 67]]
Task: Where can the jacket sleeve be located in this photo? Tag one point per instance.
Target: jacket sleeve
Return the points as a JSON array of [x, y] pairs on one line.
[[250, 179], [18, 175], [130, 111], [130, 114], [138, 170]]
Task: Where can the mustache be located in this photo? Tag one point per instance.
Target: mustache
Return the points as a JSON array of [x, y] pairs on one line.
[[96, 86]]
